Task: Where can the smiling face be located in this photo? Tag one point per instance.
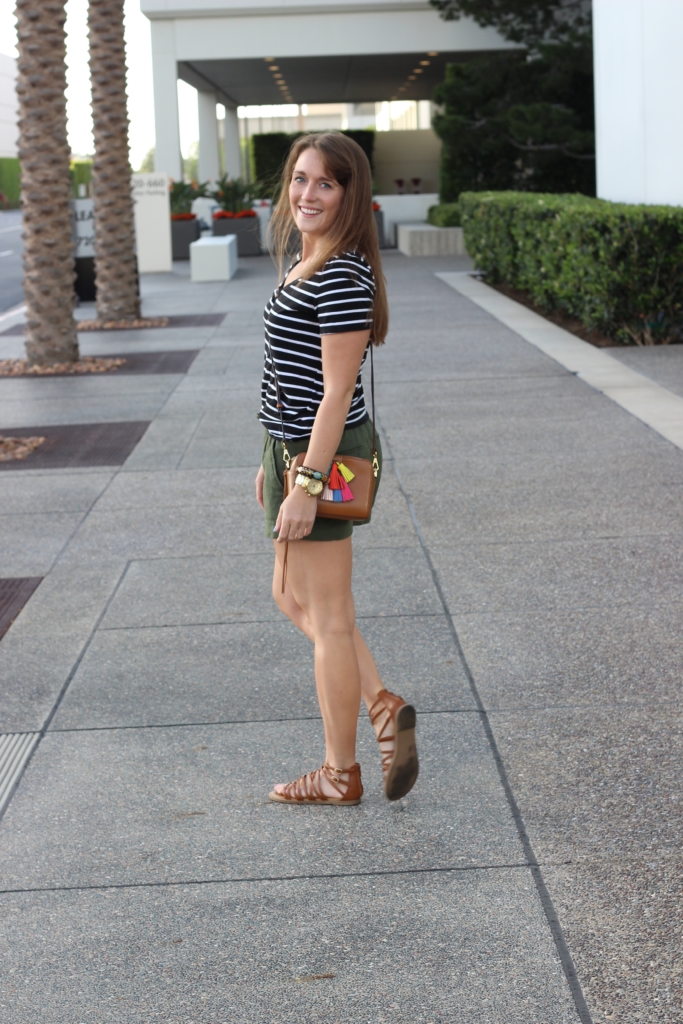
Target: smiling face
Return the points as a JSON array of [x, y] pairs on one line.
[[314, 196]]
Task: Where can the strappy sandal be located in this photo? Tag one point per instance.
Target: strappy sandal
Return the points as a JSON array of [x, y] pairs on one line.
[[399, 762], [309, 788]]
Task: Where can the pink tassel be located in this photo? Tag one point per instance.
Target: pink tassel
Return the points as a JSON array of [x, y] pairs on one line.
[[346, 492]]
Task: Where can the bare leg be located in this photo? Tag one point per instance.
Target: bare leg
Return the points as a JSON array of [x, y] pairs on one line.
[[370, 679], [319, 577]]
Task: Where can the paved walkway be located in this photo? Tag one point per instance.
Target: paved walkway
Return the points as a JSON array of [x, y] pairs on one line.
[[521, 582]]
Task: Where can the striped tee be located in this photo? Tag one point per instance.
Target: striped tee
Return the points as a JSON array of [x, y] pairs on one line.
[[336, 300]]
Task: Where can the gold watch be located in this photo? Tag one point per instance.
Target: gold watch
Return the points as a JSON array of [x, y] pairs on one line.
[[311, 486]]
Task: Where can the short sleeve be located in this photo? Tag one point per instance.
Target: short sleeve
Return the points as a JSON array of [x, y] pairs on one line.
[[345, 296]]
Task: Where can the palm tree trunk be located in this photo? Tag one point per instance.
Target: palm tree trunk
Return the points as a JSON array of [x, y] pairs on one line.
[[45, 183], [115, 266]]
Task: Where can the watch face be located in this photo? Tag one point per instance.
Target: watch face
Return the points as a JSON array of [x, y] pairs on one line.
[[315, 486]]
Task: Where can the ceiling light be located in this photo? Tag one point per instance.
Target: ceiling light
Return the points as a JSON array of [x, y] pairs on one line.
[[417, 71], [274, 67], [411, 78], [433, 53], [425, 63], [268, 59]]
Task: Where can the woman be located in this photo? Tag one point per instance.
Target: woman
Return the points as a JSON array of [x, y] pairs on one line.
[[330, 305]]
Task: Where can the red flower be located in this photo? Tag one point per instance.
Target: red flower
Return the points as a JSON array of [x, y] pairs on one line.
[[376, 207], [228, 214]]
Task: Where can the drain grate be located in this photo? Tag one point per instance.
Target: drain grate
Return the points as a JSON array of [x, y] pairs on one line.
[[72, 446], [169, 361], [178, 361], [14, 593], [15, 750], [192, 320]]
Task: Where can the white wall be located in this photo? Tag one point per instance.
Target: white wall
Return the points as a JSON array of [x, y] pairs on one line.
[[167, 158], [209, 163], [639, 100], [9, 107], [407, 154]]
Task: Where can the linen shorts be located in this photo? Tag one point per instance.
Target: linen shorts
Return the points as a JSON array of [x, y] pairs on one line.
[[355, 441]]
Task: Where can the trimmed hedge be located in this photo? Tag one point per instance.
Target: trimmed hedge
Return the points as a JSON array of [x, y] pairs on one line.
[[10, 179], [613, 266], [445, 215]]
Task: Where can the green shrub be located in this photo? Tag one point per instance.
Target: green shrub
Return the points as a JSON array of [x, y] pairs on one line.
[[268, 154], [183, 193], [81, 174], [445, 215], [10, 175], [233, 194], [613, 266]]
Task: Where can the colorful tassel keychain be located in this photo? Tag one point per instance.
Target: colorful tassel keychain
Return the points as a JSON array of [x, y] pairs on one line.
[[338, 487]]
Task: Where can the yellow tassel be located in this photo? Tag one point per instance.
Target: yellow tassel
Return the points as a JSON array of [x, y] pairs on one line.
[[345, 472]]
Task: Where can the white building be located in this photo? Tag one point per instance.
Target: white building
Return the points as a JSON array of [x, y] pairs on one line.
[[9, 106], [253, 52], [638, 48]]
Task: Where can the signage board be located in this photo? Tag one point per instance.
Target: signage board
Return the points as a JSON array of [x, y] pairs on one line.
[[152, 211], [83, 221]]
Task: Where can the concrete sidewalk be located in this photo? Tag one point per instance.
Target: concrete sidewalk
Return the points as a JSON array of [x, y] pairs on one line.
[[521, 582]]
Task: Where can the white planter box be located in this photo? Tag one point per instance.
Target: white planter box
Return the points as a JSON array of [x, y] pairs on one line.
[[213, 258], [408, 209], [427, 240]]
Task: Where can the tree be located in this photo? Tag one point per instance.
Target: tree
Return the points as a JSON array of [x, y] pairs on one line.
[[115, 266], [147, 165], [44, 155], [523, 120], [524, 21]]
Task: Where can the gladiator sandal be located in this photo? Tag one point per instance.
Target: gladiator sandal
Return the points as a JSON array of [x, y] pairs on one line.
[[396, 740], [309, 788]]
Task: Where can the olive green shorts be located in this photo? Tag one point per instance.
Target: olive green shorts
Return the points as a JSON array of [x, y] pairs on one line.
[[355, 441]]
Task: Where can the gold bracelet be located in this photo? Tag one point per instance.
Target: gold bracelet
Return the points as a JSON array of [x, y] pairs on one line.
[[303, 484]]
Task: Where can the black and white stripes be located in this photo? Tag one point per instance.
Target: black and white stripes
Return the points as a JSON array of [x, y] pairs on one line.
[[336, 300]]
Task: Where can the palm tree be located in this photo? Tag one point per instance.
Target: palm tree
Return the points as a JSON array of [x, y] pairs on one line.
[[115, 267], [45, 183]]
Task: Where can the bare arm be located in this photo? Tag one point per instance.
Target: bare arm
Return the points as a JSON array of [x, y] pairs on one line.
[[341, 355]]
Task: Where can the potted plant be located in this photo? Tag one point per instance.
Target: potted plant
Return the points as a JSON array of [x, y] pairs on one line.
[[236, 215], [184, 223], [379, 222]]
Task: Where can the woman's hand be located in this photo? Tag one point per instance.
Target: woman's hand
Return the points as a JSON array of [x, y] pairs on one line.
[[259, 485], [296, 516]]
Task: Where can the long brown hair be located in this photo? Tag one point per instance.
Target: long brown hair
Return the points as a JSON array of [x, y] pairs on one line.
[[354, 227]]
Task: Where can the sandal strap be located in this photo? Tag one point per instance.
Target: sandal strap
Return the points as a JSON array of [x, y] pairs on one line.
[[386, 703], [310, 787]]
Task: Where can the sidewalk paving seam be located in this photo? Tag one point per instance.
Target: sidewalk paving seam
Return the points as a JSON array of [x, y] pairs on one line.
[[245, 622], [279, 878], [547, 904], [651, 403], [237, 721], [499, 710]]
